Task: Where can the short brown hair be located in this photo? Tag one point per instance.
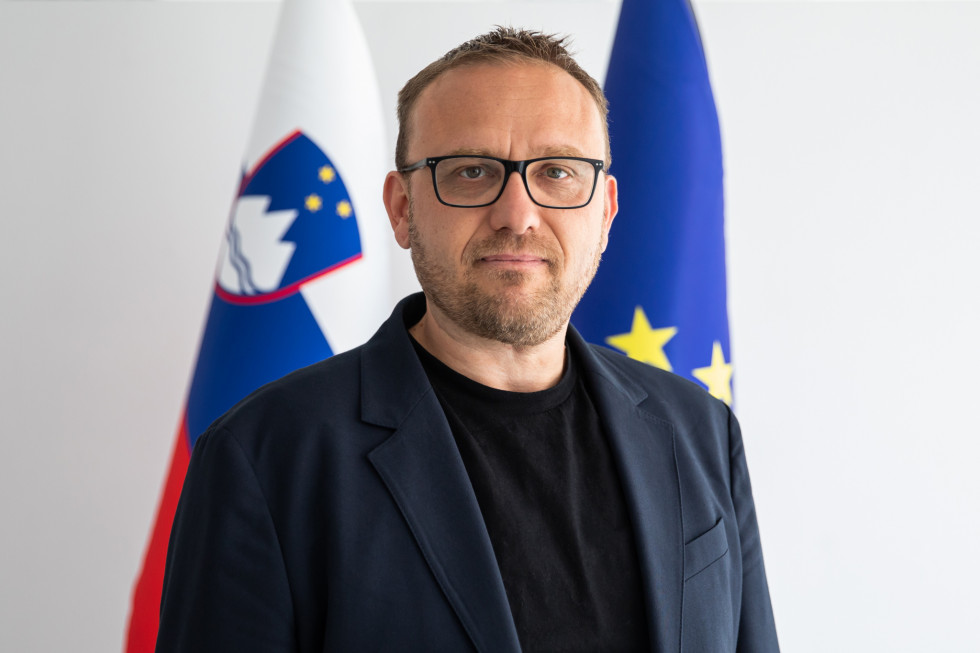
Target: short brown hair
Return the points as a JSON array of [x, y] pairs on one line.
[[502, 45]]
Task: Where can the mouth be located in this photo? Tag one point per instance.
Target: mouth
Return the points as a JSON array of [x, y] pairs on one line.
[[514, 258], [514, 261]]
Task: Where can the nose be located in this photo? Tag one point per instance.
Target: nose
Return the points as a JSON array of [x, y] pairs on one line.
[[514, 209]]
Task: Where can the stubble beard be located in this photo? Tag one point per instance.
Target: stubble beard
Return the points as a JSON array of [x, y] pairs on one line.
[[513, 315]]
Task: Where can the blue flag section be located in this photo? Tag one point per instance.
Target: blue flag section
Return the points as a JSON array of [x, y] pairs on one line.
[[660, 294], [245, 347]]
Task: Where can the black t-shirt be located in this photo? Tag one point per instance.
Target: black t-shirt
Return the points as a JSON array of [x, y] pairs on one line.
[[548, 489]]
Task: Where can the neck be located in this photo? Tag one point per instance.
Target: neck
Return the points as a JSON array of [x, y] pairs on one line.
[[492, 363]]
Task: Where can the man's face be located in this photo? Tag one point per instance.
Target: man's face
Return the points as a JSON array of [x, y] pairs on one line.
[[512, 271]]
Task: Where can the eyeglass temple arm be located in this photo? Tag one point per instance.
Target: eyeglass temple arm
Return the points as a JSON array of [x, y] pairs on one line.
[[415, 166]]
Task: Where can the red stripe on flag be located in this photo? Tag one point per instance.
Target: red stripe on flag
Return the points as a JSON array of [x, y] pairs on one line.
[[144, 619], [247, 300]]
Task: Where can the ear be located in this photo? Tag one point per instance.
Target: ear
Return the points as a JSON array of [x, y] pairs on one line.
[[396, 203], [611, 197]]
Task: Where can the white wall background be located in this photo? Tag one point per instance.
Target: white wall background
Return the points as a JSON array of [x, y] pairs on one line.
[[852, 146]]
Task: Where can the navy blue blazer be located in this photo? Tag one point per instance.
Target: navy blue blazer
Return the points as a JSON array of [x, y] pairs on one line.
[[330, 511]]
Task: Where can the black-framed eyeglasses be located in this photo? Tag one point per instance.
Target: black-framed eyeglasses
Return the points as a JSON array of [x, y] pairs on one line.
[[554, 182]]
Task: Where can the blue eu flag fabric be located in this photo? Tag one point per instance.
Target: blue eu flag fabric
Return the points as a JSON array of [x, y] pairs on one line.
[[659, 295]]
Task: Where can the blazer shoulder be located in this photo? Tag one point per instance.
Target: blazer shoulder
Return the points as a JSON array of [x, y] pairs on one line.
[[325, 391], [662, 387], [702, 424]]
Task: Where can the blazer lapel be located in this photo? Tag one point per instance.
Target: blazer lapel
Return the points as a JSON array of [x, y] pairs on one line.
[[643, 447], [422, 469]]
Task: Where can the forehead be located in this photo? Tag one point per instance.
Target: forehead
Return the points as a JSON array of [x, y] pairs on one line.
[[515, 110]]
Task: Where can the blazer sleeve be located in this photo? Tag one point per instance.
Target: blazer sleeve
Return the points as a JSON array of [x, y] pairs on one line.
[[225, 586], [757, 629]]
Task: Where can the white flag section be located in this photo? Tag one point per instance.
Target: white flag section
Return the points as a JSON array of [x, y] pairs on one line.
[[321, 82]]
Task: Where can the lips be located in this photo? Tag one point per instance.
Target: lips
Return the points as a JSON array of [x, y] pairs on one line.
[[505, 249], [514, 258]]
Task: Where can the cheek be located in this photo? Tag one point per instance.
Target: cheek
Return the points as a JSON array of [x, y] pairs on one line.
[[603, 232], [463, 234], [586, 242], [442, 240], [604, 241]]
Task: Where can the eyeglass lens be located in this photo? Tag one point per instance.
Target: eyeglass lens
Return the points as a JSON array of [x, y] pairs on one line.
[[473, 181]]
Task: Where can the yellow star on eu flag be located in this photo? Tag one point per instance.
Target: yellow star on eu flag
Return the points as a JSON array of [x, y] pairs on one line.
[[644, 343], [717, 376], [326, 174]]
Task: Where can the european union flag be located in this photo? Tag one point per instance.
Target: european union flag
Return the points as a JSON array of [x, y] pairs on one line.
[[659, 295]]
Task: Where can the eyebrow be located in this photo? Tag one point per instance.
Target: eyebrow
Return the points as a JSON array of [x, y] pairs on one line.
[[551, 150], [561, 150]]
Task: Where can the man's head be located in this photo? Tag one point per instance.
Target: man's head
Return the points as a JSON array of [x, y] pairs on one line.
[[510, 269], [502, 45]]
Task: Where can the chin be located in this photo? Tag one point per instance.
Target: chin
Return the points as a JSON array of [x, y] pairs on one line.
[[518, 316]]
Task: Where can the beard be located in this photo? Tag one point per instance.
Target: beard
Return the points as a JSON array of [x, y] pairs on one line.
[[512, 314]]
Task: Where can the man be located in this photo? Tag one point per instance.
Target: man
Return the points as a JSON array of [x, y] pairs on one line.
[[476, 476]]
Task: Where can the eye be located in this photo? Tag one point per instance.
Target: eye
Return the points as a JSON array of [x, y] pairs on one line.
[[554, 172], [473, 172]]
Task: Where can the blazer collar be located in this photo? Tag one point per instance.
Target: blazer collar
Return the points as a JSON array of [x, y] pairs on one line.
[[392, 378], [643, 447], [422, 469], [424, 472]]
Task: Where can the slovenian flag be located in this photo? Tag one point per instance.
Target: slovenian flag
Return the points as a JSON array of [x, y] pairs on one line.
[[302, 272], [660, 294]]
